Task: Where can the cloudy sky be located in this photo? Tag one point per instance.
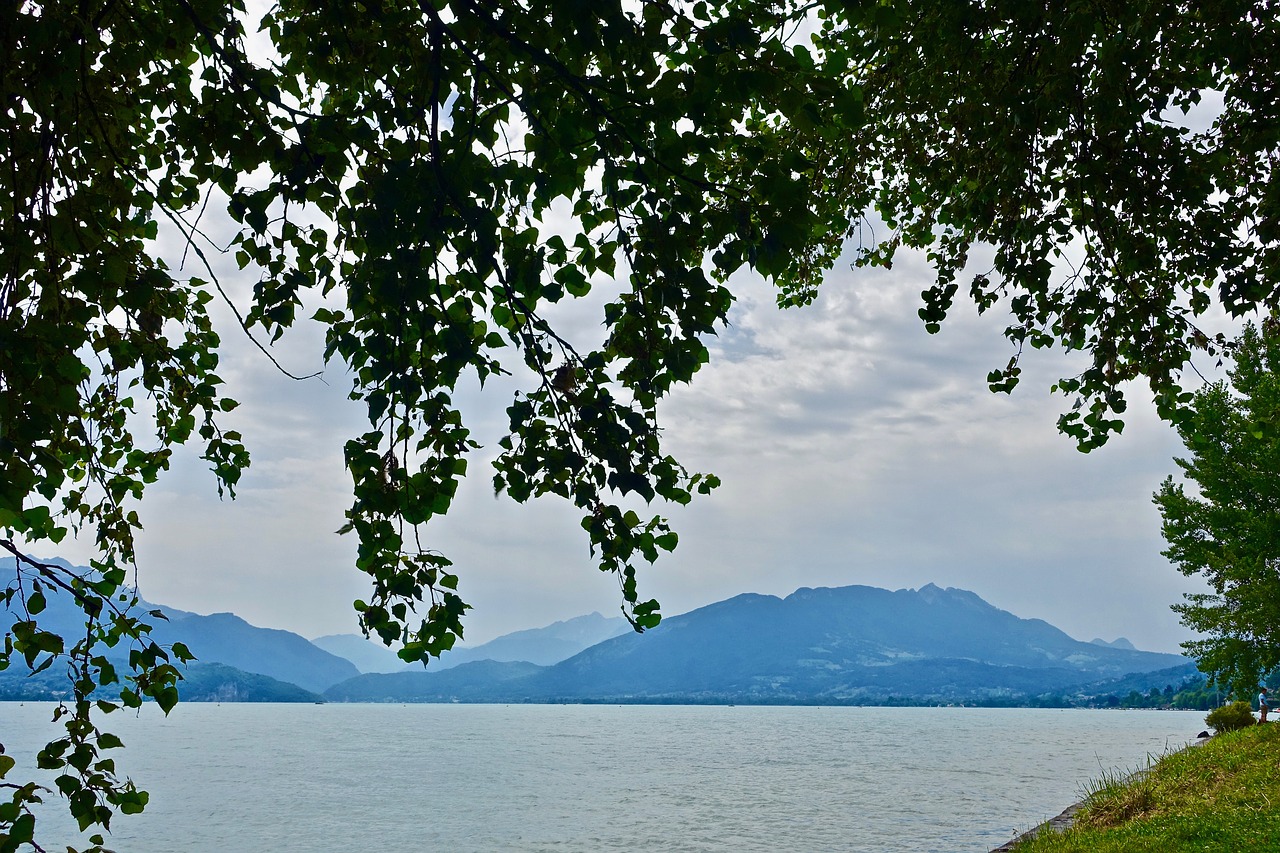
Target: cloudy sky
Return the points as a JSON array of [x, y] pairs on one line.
[[854, 449]]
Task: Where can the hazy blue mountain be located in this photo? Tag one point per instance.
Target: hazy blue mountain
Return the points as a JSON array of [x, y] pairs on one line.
[[202, 682], [61, 614], [18, 684], [219, 638], [217, 682], [367, 655], [477, 681], [283, 655], [545, 646], [1117, 643], [853, 644], [1142, 682], [847, 644]]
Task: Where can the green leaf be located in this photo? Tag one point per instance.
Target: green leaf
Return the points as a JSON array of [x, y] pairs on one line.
[[167, 698], [106, 740]]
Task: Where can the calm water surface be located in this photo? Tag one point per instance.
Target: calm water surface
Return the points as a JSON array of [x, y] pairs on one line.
[[393, 778]]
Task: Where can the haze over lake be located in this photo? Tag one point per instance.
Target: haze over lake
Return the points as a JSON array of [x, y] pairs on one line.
[[392, 778]]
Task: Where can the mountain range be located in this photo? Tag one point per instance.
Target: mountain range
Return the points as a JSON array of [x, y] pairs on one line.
[[846, 645], [222, 638], [544, 646]]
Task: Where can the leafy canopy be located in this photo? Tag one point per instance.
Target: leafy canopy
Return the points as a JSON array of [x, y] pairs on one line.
[[431, 178], [1226, 528], [1083, 144]]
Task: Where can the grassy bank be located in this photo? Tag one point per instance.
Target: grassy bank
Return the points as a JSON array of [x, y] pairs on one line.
[[1224, 795]]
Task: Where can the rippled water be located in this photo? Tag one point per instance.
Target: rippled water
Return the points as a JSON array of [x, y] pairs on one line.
[[391, 778]]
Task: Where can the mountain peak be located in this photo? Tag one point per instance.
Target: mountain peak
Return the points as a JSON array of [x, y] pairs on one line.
[[1117, 643], [931, 592]]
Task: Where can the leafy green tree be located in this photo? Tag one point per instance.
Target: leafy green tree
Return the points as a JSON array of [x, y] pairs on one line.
[[1199, 695], [1223, 523], [429, 178]]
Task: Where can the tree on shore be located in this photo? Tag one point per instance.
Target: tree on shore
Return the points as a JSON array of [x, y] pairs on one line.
[[1226, 529], [429, 179]]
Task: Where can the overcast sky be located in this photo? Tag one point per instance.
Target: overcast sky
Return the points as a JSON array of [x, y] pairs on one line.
[[854, 449]]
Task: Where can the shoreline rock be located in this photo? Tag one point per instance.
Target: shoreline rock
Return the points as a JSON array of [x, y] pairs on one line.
[[1058, 824]]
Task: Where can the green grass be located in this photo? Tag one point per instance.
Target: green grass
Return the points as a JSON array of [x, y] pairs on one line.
[[1222, 796]]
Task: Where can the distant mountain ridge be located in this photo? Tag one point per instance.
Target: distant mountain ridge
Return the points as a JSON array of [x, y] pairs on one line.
[[852, 644], [543, 646], [1117, 643], [230, 649], [283, 655], [222, 638], [367, 655]]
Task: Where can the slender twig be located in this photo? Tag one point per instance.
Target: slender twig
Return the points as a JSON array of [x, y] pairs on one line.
[[244, 325]]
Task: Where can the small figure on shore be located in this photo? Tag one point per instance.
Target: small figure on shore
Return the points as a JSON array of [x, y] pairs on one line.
[[1262, 705]]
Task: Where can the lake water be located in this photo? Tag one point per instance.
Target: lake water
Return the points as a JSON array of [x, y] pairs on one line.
[[392, 778]]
